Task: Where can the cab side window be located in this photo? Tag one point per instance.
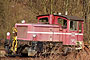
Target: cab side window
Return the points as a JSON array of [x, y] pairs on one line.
[[80, 27], [73, 25], [43, 20], [62, 22]]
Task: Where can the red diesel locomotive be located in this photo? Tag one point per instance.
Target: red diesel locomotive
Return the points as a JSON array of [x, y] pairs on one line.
[[51, 35]]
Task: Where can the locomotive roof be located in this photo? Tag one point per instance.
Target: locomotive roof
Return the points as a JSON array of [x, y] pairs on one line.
[[71, 17], [67, 17]]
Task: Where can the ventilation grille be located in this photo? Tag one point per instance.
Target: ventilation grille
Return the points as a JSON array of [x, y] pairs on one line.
[[22, 32]]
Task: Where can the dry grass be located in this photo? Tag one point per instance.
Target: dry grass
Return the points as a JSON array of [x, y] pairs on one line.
[[76, 55]]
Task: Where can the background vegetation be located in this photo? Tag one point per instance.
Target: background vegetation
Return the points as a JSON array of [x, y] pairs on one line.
[[14, 11]]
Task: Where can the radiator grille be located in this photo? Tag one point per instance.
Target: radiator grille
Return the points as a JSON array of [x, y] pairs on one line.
[[22, 32]]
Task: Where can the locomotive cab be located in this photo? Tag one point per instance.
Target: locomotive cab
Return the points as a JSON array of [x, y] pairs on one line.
[[70, 27]]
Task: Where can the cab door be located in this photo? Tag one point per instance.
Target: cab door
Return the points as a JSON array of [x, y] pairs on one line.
[[80, 31], [73, 32], [62, 29]]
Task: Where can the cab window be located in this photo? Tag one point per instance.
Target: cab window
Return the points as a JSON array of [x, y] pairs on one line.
[[43, 20], [63, 22], [80, 27], [73, 25]]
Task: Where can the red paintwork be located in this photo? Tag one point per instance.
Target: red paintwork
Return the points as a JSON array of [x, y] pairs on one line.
[[49, 32]]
